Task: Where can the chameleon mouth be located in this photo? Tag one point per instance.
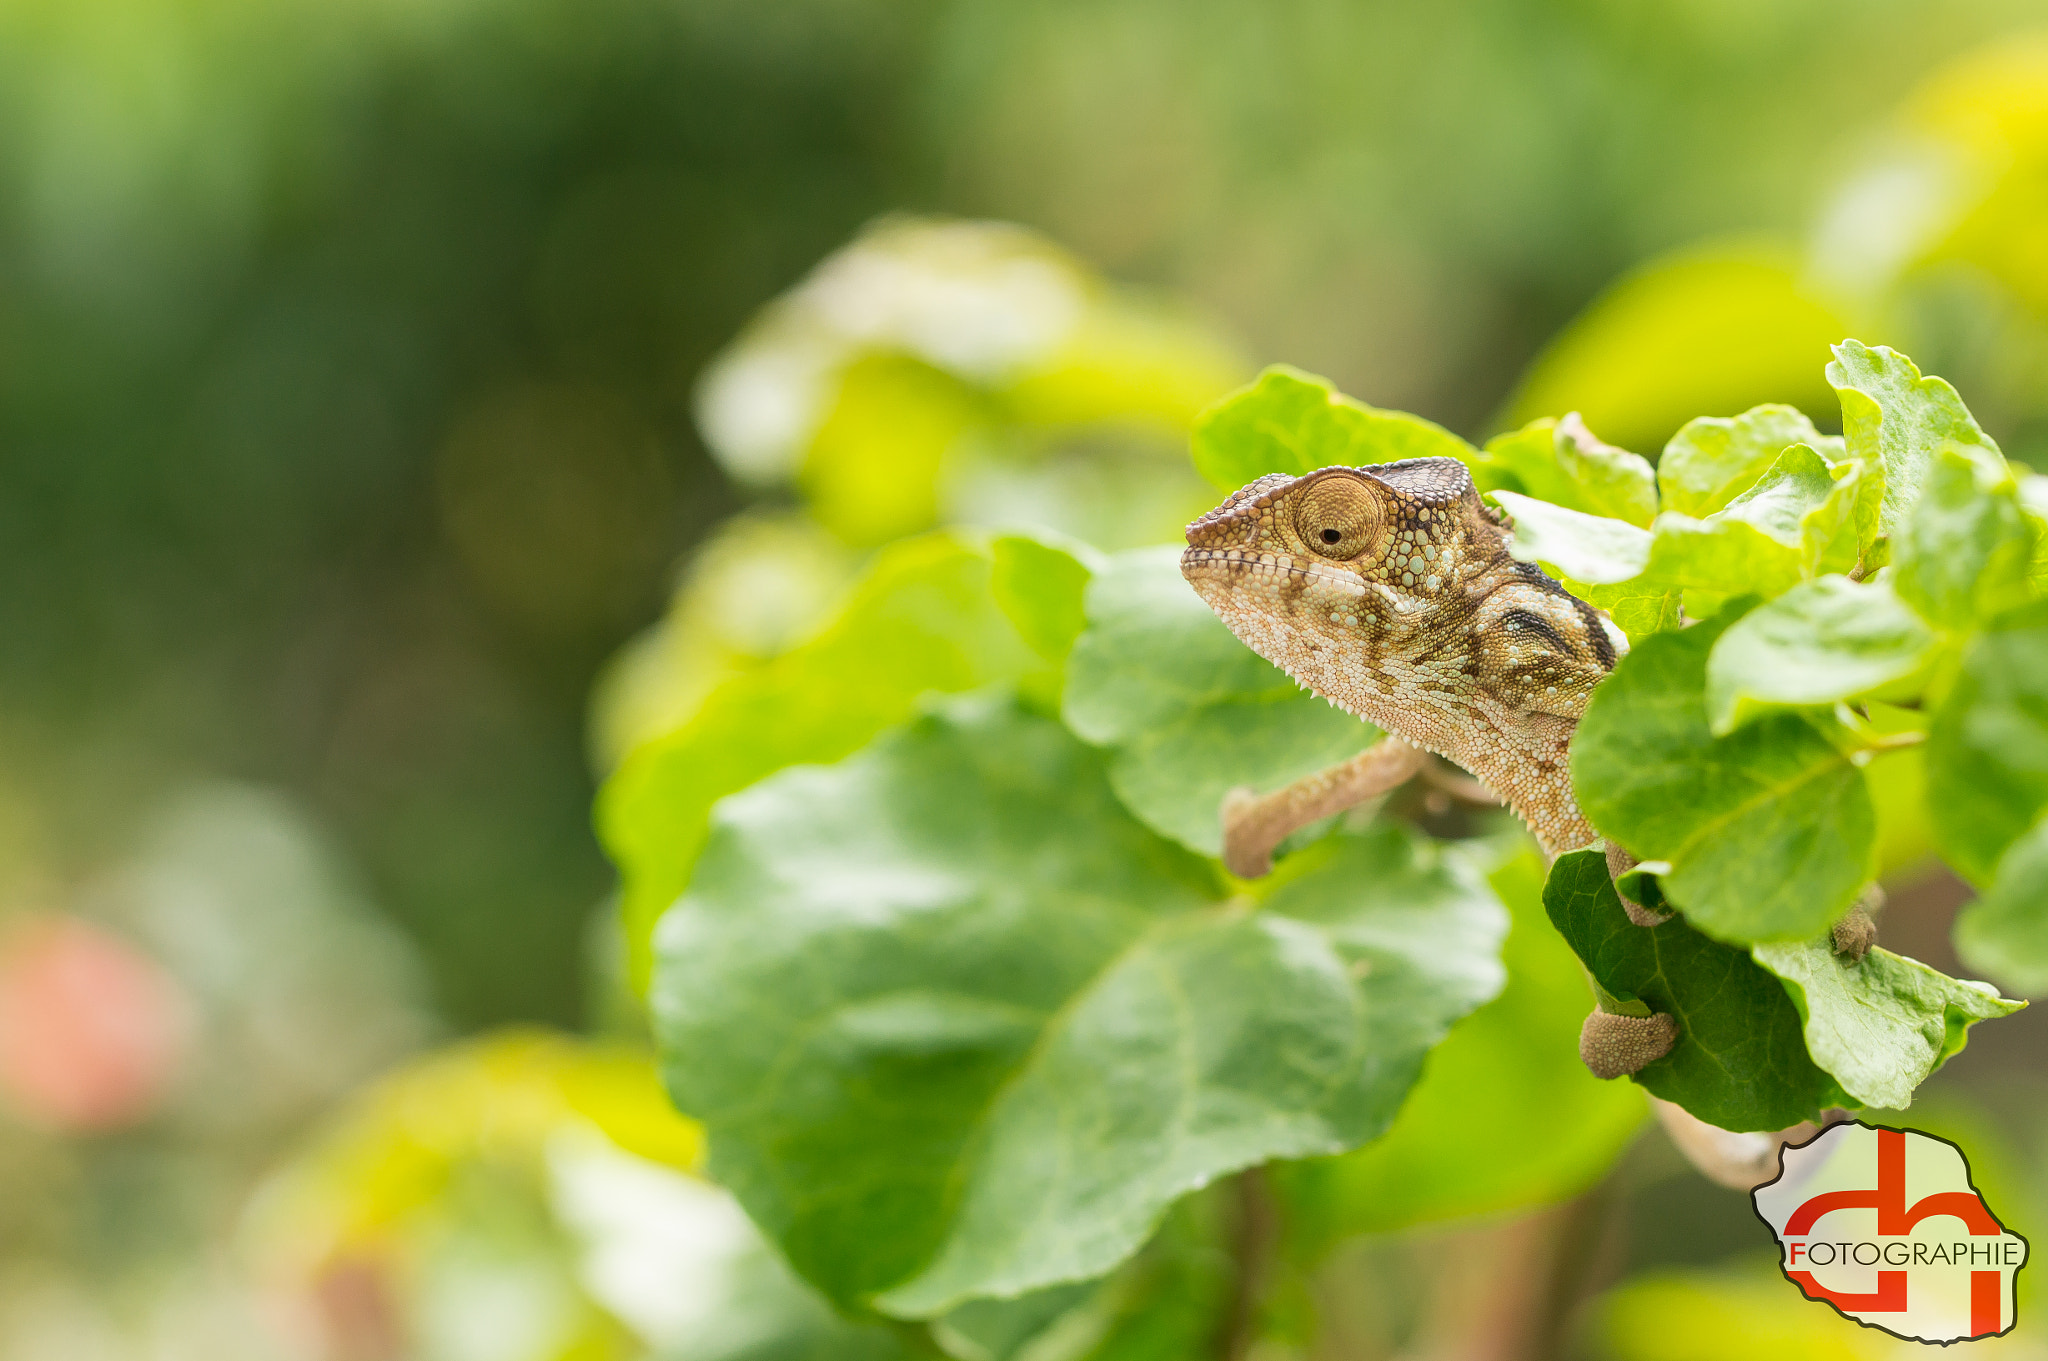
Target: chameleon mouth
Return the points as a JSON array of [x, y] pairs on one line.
[[1235, 562], [1214, 566]]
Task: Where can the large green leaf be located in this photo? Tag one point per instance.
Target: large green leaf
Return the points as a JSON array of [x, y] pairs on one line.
[[1964, 550], [1292, 422], [1572, 544], [1562, 463], [1820, 642], [1740, 1060], [1551, 1128], [957, 1025], [2005, 933], [921, 619], [1880, 1024], [1894, 417], [1768, 830], [1714, 459], [1187, 710], [1987, 749]]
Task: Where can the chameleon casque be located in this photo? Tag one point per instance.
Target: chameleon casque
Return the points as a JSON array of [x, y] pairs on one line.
[[1389, 590]]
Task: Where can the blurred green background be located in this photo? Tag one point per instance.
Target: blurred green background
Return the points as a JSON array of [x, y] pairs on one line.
[[371, 374]]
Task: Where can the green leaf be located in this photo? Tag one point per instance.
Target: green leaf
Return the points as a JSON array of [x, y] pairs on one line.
[[1769, 830], [1964, 550], [1899, 420], [1563, 463], [1550, 1128], [1987, 748], [999, 1330], [1898, 790], [1294, 423], [1709, 328], [1820, 642], [1038, 579], [1187, 710], [761, 1311], [1497, 466], [2033, 496], [2005, 933], [1840, 534], [1639, 606], [921, 619], [1166, 1304], [875, 462], [1715, 559], [1700, 564], [1740, 1061], [1755, 545], [958, 1026], [1713, 459], [1882, 1024], [1581, 547], [1797, 483]]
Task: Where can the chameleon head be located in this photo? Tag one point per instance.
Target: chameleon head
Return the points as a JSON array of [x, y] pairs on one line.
[[1389, 589]]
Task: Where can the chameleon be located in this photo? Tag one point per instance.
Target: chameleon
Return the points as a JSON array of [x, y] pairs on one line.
[[1390, 591]]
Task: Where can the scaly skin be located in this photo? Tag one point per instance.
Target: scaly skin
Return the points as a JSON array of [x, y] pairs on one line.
[[1389, 591]]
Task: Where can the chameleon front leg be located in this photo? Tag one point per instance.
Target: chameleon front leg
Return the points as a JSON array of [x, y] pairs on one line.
[[1254, 824]]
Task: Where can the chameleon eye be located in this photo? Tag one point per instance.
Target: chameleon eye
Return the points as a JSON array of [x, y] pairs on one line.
[[1338, 517]]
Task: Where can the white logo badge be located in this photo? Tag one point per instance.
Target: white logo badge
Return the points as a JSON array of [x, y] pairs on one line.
[[1884, 1225]]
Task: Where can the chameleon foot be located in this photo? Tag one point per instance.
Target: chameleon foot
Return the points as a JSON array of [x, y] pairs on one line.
[[1855, 933], [1254, 824], [1614, 1046], [1620, 862]]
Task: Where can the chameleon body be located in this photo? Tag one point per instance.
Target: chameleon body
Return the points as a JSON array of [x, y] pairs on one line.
[[1389, 591]]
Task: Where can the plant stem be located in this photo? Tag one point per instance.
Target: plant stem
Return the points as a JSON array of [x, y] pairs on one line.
[[1255, 1242], [1508, 1289]]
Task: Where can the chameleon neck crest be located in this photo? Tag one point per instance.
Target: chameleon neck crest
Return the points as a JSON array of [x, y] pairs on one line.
[[1389, 591]]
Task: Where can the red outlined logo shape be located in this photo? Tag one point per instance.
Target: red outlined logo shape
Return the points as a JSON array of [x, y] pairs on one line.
[[1885, 1226]]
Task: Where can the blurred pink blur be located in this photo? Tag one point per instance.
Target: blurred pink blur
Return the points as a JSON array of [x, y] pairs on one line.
[[92, 1031]]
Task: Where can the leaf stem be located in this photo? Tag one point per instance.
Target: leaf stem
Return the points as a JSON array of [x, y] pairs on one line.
[[1868, 740]]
